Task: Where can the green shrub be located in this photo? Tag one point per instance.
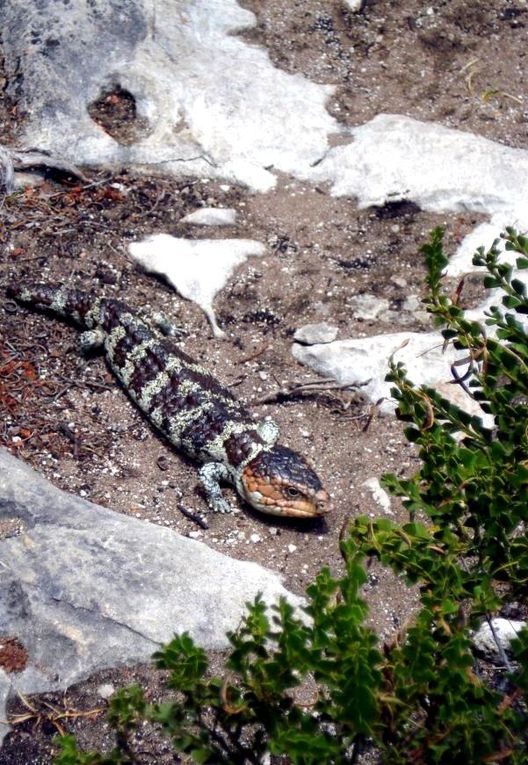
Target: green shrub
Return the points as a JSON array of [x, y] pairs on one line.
[[422, 698]]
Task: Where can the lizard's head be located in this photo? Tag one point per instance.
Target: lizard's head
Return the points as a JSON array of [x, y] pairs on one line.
[[279, 481]]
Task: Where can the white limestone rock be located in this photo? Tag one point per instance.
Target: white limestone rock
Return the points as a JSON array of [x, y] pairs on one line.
[[7, 174], [379, 495], [106, 690], [354, 5], [394, 157], [505, 630], [363, 362], [197, 269], [211, 216]]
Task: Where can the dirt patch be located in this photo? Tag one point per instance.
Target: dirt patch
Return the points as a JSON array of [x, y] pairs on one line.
[[67, 417], [13, 655]]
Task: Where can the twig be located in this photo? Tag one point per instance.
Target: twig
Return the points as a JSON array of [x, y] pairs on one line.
[[198, 519], [255, 354], [374, 411], [500, 647], [185, 159], [83, 188], [97, 385], [321, 385]]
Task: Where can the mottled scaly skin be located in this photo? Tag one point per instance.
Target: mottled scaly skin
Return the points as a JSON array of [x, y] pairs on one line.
[[189, 406]]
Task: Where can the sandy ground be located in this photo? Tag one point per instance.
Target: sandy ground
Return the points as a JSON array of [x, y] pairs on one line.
[[68, 418]]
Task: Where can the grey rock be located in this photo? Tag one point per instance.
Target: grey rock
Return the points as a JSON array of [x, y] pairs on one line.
[[210, 104], [311, 334], [396, 318], [5, 689], [367, 307], [412, 303], [505, 630], [423, 317], [85, 588], [6, 170], [211, 216]]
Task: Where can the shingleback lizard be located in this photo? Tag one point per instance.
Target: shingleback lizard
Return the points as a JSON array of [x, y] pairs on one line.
[[189, 406]]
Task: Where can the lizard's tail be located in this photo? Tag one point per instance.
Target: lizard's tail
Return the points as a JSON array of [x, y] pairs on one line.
[[68, 302]]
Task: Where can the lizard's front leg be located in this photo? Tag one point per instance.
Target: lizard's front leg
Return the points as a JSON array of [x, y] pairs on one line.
[[210, 476]]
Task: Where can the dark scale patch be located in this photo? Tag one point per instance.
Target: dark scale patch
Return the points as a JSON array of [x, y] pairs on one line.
[[146, 369], [206, 382], [76, 301], [111, 311], [122, 351], [173, 350], [175, 405], [138, 331], [288, 465], [73, 301], [166, 394], [40, 294], [207, 427], [239, 446]]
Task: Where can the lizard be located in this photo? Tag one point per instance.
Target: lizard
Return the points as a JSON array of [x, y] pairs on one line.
[[188, 405]]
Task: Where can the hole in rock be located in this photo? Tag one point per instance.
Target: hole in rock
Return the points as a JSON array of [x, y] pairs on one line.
[[403, 208], [11, 527], [116, 112], [13, 655]]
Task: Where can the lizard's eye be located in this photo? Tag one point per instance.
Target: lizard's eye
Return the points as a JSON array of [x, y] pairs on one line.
[[291, 491]]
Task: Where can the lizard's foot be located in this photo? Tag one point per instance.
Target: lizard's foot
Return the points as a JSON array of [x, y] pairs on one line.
[[210, 476]]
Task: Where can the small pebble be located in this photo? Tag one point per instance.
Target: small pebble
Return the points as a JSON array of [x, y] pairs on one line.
[[211, 216], [273, 531], [106, 690], [254, 538], [412, 303], [379, 495], [367, 306], [311, 334], [195, 534], [292, 548]]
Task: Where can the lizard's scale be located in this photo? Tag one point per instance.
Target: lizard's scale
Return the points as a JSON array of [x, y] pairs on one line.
[[188, 405]]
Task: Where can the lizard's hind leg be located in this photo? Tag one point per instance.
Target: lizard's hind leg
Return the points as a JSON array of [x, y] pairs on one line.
[[91, 340]]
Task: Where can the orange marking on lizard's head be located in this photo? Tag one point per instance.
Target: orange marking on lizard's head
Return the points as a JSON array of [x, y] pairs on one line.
[[280, 482]]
